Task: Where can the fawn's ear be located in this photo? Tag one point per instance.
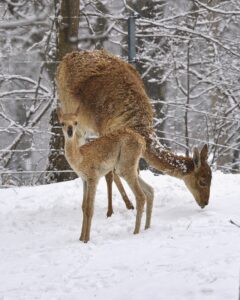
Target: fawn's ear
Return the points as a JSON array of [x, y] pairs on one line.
[[59, 113], [196, 158], [204, 153]]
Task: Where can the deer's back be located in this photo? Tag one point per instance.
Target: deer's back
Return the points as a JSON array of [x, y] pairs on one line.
[[117, 150], [108, 92]]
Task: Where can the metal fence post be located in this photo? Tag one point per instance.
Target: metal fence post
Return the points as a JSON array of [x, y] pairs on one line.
[[132, 39]]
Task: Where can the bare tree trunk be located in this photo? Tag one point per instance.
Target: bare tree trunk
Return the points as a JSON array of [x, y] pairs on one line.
[[191, 24], [188, 99], [67, 34], [68, 27]]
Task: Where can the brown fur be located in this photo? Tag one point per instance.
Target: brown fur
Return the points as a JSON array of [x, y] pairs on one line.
[[120, 152], [91, 85], [109, 95]]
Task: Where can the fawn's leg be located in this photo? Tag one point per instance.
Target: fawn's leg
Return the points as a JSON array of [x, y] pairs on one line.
[[109, 180], [121, 189], [91, 191], [148, 190], [84, 205], [140, 199]]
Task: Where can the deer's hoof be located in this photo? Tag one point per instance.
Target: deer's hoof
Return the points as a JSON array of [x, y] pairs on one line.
[[130, 205], [109, 213], [82, 238]]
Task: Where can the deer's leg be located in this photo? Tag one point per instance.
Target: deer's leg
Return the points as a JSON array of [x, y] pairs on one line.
[[140, 206], [149, 192], [121, 189], [140, 199], [109, 180], [84, 206], [91, 191]]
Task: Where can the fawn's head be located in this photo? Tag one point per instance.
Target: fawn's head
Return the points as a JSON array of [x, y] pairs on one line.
[[70, 126], [199, 180]]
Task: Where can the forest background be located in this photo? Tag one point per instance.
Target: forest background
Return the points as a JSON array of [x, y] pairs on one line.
[[187, 54]]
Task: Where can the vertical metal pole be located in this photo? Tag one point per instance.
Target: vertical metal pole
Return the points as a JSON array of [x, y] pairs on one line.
[[132, 40]]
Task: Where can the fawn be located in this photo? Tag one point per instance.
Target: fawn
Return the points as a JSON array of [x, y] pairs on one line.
[[118, 151]]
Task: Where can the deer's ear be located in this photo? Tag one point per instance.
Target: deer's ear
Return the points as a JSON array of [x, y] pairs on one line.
[[77, 110], [196, 158], [204, 153], [76, 113], [59, 113]]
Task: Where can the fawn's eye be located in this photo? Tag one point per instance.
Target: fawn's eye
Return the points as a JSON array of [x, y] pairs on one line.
[[75, 123], [62, 124]]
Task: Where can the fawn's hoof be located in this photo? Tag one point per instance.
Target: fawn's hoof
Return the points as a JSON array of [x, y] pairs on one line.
[[83, 240], [129, 205], [109, 213]]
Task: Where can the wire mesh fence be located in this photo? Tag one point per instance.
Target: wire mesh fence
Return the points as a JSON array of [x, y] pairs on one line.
[[188, 60]]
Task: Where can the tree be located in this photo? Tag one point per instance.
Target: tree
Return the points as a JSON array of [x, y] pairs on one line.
[[188, 55], [23, 27], [67, 35]]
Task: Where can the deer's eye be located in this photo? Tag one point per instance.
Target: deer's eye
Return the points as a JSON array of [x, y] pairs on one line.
[[203, 182], [75, 123], [62, 124]]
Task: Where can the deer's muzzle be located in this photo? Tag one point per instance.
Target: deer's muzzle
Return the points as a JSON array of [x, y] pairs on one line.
[[70, 131]]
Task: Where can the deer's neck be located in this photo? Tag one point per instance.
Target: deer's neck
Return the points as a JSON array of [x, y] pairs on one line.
[[169, 163], [165, 161], [72, 152]]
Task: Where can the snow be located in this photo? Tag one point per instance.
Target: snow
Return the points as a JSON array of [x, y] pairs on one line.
[[188, 253]]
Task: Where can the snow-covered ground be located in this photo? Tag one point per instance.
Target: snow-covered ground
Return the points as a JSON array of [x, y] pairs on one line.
[[188, 253]]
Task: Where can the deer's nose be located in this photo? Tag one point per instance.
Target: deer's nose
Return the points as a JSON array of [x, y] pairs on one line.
[[204, 204], [70, 131]]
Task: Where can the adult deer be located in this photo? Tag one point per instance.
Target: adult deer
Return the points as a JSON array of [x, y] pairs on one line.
[[109, 95], [119, 151]]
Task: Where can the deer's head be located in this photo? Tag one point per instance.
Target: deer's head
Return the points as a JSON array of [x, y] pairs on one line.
[[70, 126], [199, 180]]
